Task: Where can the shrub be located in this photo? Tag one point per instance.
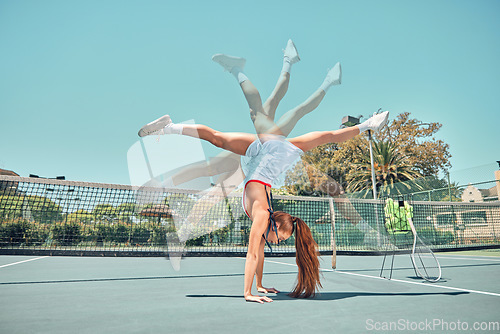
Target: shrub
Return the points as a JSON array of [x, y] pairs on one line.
[[14, 233], [321, 238], [140, 235], [349, 236], [119, 233], [158, 235], [432, 236], [66, 234], [196, 241]]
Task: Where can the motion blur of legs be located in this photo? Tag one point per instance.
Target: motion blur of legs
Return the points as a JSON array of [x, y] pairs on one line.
[[225, 168], [262, 116]]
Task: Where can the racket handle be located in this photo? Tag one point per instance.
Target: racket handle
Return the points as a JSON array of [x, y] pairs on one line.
[[334, 257], [332, 236]]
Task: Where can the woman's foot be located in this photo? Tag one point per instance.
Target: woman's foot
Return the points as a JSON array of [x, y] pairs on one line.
[[229, 62], [334, 76], [291, 53], [155, 127], [374, 123]]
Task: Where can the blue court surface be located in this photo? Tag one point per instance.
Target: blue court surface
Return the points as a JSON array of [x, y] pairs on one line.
[[145, 295]]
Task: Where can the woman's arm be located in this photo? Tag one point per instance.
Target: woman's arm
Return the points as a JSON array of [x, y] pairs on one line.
[[260, 271], [260, 221], [260, 265]]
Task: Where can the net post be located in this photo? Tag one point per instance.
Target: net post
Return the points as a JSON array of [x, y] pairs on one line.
[[332, 235]]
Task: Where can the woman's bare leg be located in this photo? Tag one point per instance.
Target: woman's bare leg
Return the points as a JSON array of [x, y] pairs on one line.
[[290, 57], [288, 121], [230, 141], [228, 161], [262, 122], [314, 139], [262, 115], [272, 102], [263, 118], [190, 227], [224, 162]]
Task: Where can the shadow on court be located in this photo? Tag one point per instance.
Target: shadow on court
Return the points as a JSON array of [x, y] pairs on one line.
[[329, 296], [136, 278]]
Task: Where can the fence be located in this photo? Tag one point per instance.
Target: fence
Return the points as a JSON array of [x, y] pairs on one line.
[[40, 216]]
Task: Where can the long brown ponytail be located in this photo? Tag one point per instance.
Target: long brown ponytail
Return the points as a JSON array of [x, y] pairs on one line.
[[308, 279], [306, 254]]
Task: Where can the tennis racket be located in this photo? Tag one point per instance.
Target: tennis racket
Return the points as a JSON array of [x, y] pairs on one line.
[[424, 261]]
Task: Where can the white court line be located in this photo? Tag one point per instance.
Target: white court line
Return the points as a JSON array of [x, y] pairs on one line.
[[11, 264], [475, 258], [399, 280]]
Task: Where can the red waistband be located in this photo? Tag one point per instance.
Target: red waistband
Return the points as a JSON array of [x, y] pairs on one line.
[[258, 181]]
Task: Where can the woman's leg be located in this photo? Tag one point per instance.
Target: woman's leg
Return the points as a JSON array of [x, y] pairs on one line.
[[262, 122], [233, 142], [314, 139], [288, 121], [190, 227], [262, 115], [229, 141], [272, 102], [223, 163], [290, 57]]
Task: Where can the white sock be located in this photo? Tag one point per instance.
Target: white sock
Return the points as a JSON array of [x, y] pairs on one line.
[[173, 129], [287, 66], [239, 75], [325, 85], [364, 126]]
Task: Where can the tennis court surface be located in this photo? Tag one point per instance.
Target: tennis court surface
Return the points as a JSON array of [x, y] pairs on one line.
[[145, 295]]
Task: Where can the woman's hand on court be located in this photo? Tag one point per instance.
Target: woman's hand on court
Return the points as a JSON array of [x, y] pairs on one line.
[[261, 289], [258, 299]]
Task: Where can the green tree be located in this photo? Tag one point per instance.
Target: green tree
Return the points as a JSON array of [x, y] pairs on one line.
[[413, 143], [431, 188], [80, 216], [390, 167], [104, 212], [41, 209], [125, 212], [417, 142]]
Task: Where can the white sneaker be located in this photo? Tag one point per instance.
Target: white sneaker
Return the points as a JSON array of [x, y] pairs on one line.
[[377, 121], [291, 52], [334, 76], [155, 127], [229, 62]]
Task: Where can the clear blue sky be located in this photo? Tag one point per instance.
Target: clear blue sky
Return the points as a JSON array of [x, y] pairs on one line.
[[79, 78]]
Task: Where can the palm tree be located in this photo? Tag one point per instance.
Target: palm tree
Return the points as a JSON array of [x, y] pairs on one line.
[[390, 166]]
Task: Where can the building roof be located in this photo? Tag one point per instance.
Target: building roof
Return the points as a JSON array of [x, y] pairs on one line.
[[7, 172]]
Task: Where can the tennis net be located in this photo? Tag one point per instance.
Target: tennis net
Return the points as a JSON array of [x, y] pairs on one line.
[[42, 216]]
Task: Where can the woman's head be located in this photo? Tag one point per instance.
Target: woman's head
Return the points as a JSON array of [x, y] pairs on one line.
[[306, 253], [285, 225]]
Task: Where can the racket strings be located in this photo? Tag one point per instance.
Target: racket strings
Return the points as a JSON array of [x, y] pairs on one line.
[[425, 262]]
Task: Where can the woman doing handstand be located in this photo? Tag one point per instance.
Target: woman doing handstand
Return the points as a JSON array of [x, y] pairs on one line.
[[266, 156]]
